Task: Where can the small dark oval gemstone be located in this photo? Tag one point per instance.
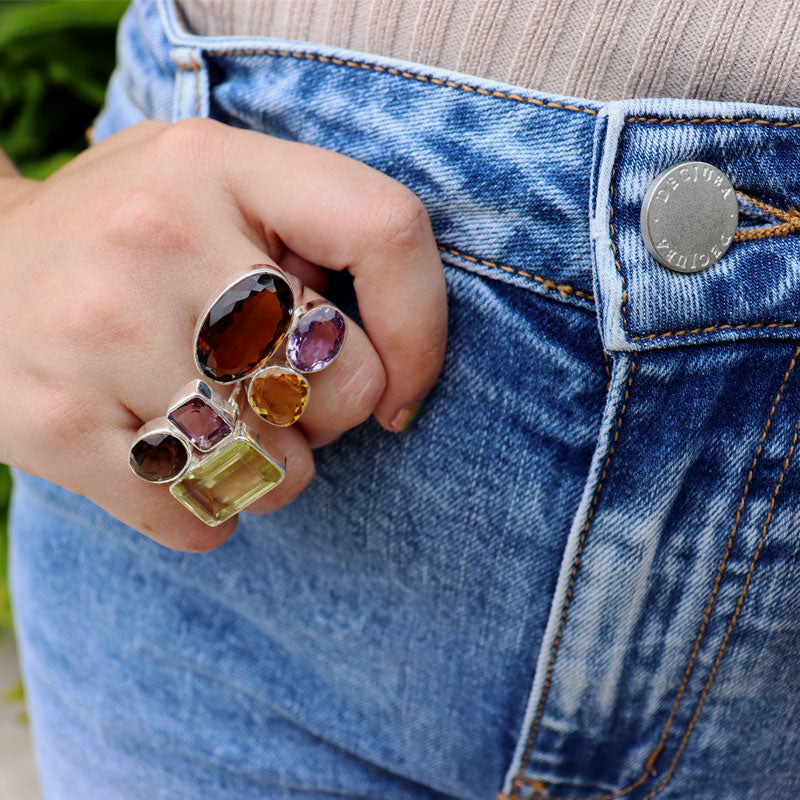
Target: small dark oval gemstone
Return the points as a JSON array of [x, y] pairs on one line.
[[158, 457], [244, 327]]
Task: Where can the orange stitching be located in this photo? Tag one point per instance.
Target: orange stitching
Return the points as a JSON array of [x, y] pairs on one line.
[[608, 371], [779, 213], [413, 76], [562, 288], [735, 616], [650, 764], [773, 231], [725, 327], [196, 69], [715, 120], [791, 222], [492, 93], [518, 779]]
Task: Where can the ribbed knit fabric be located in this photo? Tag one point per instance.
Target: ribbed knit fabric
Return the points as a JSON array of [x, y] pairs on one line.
[[601, 49]]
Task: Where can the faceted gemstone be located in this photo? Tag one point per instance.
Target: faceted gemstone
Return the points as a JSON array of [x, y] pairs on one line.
[[316, 339], [228, 480], [244, 327], [201, 423], [158, 457], [278, 395]]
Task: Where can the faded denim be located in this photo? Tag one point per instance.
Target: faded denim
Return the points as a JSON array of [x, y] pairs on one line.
[[578, 575]]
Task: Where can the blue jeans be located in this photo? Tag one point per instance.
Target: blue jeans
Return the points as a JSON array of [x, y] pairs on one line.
[[578, 576]]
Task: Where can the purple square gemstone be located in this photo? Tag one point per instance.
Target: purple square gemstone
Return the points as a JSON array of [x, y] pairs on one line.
[[316, 339], [201, 423]]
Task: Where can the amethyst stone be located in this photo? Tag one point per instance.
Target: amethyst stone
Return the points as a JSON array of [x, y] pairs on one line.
[[201, 423], [316, 339]]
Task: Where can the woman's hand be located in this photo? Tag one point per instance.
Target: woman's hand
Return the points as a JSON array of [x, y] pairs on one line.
[[106, 266]]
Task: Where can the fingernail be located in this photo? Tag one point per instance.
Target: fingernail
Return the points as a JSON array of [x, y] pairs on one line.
[[406, 416]]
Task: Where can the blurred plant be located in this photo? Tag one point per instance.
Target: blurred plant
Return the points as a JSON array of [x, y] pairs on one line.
[[55, 59]]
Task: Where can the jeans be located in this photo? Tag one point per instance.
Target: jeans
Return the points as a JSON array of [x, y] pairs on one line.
[[577, 577]]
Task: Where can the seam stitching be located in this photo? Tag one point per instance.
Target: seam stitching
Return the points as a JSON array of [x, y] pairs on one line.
[[562, 288], [518, 779], [650, 763], [403, 73], [195, 67], [492, 93], [734, 617], [714, 121], [725, 327]]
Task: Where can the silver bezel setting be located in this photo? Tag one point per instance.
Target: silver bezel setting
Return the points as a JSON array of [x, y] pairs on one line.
[[242, 432], [161, 425], [199, 388], [282, 368], [300, 312]]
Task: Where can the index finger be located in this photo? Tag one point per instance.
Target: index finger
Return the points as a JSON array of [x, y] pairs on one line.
[[342, 214]]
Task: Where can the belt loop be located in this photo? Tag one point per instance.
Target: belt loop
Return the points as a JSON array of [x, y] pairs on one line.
[[191, 84]]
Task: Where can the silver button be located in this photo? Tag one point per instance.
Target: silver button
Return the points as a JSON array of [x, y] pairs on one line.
[[689, 215]]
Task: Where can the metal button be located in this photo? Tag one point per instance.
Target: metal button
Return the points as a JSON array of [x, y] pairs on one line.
[[689, 215]]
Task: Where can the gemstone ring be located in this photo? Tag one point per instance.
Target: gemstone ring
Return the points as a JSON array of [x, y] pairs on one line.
[[217, 465]]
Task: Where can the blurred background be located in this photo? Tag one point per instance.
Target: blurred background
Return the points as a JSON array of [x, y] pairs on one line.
[[55, 60]]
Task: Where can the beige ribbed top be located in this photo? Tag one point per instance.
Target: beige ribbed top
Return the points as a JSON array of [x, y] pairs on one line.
[[599, 49]]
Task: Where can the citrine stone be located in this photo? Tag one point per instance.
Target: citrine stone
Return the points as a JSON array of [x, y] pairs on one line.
[[158, 457], [278, 395], [316, 339], [200, 422], [244, 326], [228, 480]]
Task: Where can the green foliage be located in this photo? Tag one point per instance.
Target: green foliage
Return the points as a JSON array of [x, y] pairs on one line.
[[55, 59]]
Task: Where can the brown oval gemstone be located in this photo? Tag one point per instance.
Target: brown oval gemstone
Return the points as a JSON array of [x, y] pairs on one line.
[[244, 327], [158, 457], [279, 395]]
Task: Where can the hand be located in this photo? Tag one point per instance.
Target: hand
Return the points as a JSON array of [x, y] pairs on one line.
[[107, 265]]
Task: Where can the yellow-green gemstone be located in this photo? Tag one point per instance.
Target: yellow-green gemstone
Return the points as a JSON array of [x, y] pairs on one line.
[[227, 481], [278, 395]]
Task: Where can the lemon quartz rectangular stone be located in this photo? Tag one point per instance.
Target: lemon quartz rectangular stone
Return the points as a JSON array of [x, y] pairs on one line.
[[228, 480]]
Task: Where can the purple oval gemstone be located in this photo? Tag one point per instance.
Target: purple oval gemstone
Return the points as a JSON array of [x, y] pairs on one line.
[[316, 339]]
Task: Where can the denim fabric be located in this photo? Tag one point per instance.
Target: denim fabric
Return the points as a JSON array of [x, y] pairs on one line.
[[578, 576]]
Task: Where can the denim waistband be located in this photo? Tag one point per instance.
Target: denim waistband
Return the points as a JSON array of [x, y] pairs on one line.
[[539, 190]]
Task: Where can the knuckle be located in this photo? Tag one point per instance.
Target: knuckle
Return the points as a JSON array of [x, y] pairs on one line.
[[303, 472], [137, 213], [401, 217], [67, 414], [364, 388], [100, 318], [189, 138], [147, 220], [424, 358]]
